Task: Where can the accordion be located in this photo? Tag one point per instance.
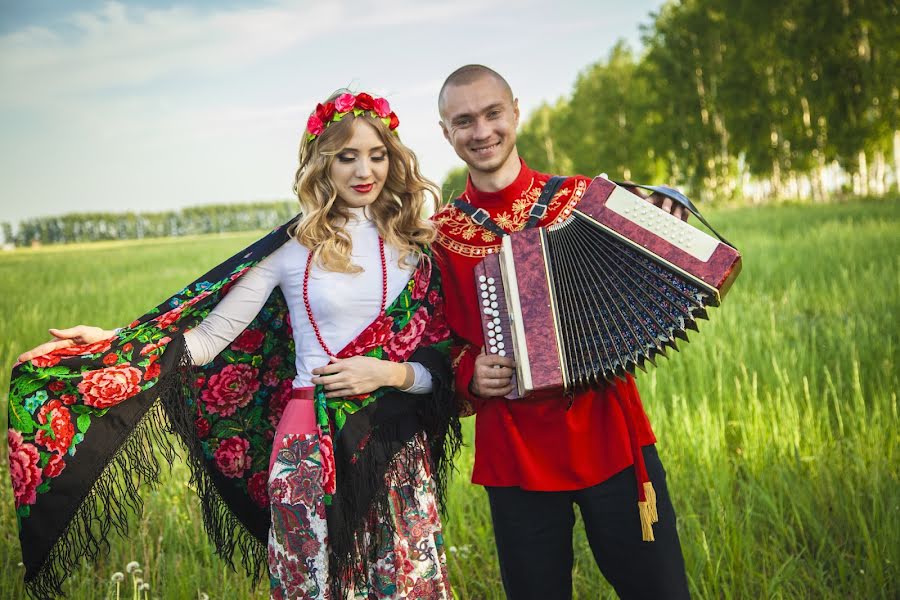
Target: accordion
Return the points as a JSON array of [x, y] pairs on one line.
[[606, 290]]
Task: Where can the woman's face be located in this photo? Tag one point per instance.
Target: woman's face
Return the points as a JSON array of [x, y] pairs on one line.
[[360, 168]]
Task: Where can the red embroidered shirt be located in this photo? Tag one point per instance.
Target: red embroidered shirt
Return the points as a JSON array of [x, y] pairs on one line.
[[539, 443]]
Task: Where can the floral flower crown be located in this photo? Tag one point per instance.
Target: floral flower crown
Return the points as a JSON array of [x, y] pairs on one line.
[[332, 112]]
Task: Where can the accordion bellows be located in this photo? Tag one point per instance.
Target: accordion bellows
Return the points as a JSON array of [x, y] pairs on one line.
[[603, 292]]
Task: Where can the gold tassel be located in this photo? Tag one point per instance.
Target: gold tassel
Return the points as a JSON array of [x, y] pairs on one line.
[[649, 516], [650, 494]]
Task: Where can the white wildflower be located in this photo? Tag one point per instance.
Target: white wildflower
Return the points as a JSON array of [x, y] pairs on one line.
[[130, 567], [118, 576]]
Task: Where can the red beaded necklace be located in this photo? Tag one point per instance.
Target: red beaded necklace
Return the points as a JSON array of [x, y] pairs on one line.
[[312, 320]]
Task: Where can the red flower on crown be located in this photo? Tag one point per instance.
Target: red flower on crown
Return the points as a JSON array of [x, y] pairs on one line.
[[364, 101], [330, 112]]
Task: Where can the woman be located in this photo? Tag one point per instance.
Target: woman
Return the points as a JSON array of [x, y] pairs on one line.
[[307, 376]]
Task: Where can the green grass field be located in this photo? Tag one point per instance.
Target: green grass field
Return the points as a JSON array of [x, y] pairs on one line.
[[777, 423]]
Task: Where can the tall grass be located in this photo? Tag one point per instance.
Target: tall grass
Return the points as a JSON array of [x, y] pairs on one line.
[[777, 423]]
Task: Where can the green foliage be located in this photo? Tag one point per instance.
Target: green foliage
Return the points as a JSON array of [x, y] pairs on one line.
[[454, 184], [195, 220]]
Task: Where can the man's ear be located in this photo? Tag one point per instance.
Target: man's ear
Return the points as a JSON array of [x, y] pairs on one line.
[[444, 130], [516, 110]]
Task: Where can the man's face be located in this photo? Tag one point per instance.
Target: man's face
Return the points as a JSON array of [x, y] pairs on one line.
[[479, 120]]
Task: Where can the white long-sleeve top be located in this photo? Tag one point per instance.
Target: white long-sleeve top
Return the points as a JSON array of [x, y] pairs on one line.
[[343, 304]]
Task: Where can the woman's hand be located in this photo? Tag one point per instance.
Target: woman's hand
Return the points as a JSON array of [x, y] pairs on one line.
[[361, 375], [63, 338]]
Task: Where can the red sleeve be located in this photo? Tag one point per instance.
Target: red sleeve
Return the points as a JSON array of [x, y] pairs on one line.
[[463, 355]]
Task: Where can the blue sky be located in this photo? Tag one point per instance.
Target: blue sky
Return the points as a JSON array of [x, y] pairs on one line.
[[151, 106]]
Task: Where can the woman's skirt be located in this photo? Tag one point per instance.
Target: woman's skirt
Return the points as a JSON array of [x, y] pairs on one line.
[[411, 564]]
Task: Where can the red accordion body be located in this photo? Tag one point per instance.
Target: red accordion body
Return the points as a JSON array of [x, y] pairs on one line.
[[588, 299]]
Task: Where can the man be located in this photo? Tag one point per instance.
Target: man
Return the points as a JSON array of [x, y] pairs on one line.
[[538, 456]]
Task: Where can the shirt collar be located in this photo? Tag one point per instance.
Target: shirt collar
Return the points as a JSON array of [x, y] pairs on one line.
[[507, 195]]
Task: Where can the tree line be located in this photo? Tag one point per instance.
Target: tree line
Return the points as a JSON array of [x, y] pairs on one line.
[[92, 227], [736, 99]]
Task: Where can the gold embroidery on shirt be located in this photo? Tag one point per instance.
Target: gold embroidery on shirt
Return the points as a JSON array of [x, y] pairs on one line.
[[454, 225]]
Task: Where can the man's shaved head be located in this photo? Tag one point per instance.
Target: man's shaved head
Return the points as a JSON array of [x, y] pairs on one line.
[[469, 74]]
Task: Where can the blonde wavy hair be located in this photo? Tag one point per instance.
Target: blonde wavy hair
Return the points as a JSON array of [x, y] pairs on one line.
[[397, 212]]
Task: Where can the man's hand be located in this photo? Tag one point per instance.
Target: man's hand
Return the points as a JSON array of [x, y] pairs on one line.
[[63, 338], [660, 201], [492, 376], [668, 205]]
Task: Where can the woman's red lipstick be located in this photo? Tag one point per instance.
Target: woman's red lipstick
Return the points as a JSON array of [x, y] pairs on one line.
[[364, 189]]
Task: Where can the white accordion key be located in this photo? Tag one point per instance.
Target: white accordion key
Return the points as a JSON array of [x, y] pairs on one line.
[[482, 278]]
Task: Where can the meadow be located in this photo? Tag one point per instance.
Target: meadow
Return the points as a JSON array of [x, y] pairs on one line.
[[777, 423]]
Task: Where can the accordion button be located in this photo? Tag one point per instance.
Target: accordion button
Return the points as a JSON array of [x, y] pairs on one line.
[[496, 313], [492, 289], [502, 352], [494, 305], [484, 294], [492, 342], [493, 296], [500, 345], [488, 311], [499, 337], [486, 302], [482, 278], [493, 350], [491, 330], [496, 319], [483, 285], [490, 280]]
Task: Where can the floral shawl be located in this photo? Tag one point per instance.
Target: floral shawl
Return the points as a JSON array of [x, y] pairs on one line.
[[78, 451]]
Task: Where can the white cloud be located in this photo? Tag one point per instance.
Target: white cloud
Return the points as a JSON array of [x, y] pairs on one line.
[[119, 47]]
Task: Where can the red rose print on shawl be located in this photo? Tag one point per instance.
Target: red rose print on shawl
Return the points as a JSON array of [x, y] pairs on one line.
[[279, 401], [54, 466], [422, 279], [231, 457], [153, 371], [47, 360], [201, 425], [249, 341], [402, 344], [23, 468], [165, 320], [230, 389], [107, 387], [151, 347], [57, 415], [257, 489], [437, 330], [326, 450], [375, 335]]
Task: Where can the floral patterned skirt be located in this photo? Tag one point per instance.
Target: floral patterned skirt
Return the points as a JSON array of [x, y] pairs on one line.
[[412, 564]]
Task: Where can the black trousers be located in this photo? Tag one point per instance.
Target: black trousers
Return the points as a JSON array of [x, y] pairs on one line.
[[533, 532]]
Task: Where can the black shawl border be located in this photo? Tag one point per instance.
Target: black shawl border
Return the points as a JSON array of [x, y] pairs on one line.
[[114, 495]]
